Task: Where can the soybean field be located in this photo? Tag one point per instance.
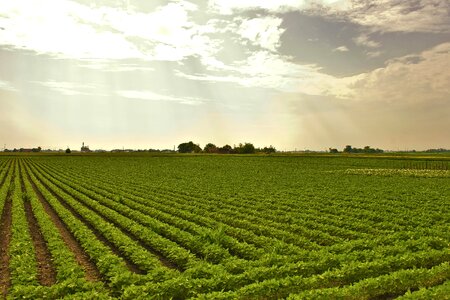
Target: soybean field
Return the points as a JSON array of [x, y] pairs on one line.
[[141, 226]]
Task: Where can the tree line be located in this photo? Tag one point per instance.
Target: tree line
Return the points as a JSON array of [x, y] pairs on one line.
[[246, 148], [350, 149]]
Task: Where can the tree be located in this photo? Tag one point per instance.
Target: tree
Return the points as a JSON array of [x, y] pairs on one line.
[[246, 148], [210, 148], [38, 149], [270, 149], [68, 151], [348, 149], [227, 149], [189, 148], [333, 150], [366, 149]]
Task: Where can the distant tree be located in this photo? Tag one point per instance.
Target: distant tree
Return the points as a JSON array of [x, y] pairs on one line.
[[68, 151], [268, 150], [438, 150], [246, 148], [210, 148], [185, 147], [189, 147], [227, 149], [348, 149], [333, 150], [38, 149], [366, 149]]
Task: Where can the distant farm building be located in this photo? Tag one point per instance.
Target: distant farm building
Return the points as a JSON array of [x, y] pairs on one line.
[[85, 148]]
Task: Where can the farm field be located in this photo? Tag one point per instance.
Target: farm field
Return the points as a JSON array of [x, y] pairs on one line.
[[224, 227]]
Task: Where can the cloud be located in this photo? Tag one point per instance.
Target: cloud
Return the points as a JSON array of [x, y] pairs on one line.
[[53, 27], [341, 49], [70, 88], [7, 86], [264, 69], [379, 15], [364, 41], [264, 32], [373, 54], [394, 15], [69, 29], [113, 66], [409, 79], [228, 7], [149, 95]]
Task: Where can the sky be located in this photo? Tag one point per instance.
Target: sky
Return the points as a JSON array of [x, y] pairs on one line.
[[295, 74]]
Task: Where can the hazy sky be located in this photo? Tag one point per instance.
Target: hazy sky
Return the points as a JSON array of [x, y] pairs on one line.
[[299, 74]]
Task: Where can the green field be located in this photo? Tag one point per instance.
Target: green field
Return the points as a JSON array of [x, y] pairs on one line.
[[139, 226]]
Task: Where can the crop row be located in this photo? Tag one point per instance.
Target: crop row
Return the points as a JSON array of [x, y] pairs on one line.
[[208, 284], [196, 244], [140, 256], [112, 267], [241, 219], [325, 217], [183, 213], [193, 212], [393, 284], [25, 285]]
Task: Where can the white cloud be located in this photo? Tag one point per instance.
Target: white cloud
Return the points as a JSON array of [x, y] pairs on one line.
[[341, 49], [112, 66], [52, 27], [412, 78], [396, 15], [364, 41], [149, 95], [7, 86], [409, 79], [264, 32], [227, 7], [72, 30], [379, 15], [373, 54], [264, 69], [70, 88]]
